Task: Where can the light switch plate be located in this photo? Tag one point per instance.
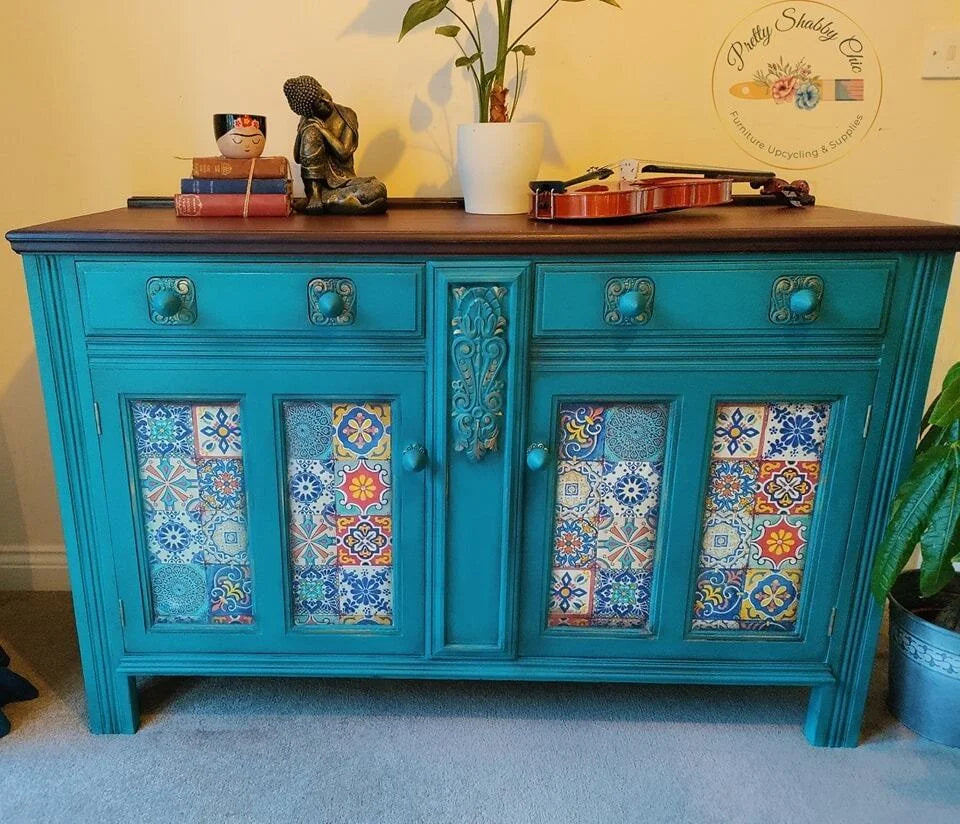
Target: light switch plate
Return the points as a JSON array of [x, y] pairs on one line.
[[941, 55]]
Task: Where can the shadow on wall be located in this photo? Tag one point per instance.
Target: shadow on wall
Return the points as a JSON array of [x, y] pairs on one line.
[[24, 447], [428, 117], [381, 154], [380, 18], [423, 114]]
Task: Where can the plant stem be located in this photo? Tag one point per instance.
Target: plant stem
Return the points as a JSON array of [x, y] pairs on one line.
[[479, 41], [474, 37], [527, 29], [504, 38], [521, 66], [476, 80]]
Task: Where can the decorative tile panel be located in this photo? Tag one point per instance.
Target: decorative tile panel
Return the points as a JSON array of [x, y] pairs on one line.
[[340, 511], [193, 497], [605, 520], [759, 503], [216, 431]]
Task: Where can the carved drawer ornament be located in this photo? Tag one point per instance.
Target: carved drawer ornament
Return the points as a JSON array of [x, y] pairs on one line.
[[616, 288], [479, 350], [172, 301], [346, 308], [785, 292]]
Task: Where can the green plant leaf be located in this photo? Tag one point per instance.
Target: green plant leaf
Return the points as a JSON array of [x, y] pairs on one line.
[[420, 12], [933, 437], [447, 31], [528, 51], [953, 374], [925, 420], [939, 436], [910, 517], [461, 62], [936, 544], [947, 408]]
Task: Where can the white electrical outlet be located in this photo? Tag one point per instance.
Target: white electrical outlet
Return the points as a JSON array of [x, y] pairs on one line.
[[941, 55]]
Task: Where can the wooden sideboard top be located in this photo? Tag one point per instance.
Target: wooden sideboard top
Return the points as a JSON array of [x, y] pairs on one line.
[[438, 229]]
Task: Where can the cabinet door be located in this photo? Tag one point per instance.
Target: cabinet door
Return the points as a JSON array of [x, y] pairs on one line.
[[353, 473], [690, 514], [265, 510]]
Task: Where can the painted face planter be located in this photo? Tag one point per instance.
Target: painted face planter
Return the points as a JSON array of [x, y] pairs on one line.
[[240, 135]]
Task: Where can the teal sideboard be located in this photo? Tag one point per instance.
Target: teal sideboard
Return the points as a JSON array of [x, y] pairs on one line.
[[437, 445]]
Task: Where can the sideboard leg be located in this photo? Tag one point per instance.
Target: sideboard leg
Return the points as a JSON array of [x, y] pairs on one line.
[[820, 711], [834, 713], [117, 708], [126, 705]]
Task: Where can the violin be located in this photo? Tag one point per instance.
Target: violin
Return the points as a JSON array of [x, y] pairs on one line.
[[630, 195]]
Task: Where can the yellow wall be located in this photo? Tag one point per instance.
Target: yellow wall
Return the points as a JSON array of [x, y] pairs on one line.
[[100, 97]]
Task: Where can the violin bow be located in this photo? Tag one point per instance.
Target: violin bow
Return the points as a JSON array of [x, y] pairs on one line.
[[560, 186]]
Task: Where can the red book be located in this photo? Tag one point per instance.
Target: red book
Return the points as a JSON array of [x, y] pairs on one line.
[[231, 205], [229, 167]]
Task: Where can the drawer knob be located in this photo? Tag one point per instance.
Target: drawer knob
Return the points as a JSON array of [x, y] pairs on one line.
[[166, 302], [330, 304], [630, 303], [415, 458], [171, 301], [538, 456], [796, 299], [803, 301]]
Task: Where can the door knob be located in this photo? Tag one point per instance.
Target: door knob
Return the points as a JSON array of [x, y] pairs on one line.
[[538, 456], [415, 458]]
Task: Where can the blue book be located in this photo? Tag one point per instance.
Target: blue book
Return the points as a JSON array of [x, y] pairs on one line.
[[232, 186]]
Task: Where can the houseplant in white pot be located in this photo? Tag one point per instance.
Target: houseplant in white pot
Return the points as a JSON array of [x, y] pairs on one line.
[[925, 603], [496, 156]]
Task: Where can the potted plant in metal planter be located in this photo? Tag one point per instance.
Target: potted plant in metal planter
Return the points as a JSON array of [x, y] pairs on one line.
[[497, 157], [925, 603]]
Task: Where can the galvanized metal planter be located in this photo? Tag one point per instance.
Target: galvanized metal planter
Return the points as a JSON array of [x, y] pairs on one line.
[[924, 668]]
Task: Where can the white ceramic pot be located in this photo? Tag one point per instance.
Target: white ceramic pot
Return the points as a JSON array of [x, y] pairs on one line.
[[496, 162]]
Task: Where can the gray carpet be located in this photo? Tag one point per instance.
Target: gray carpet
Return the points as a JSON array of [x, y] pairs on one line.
[[351, 752]]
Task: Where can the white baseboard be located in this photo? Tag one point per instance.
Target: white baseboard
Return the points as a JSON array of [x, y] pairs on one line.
[[33, 567]]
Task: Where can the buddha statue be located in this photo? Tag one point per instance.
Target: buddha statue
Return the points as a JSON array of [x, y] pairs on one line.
[[327, 138]]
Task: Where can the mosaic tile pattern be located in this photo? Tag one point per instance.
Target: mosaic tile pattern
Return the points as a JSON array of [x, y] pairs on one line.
[[340, 502], [759, 502], [193, 496], [609, 468]]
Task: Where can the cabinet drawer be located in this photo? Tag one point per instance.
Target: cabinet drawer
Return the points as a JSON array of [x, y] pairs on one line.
[[718, 296], [373, 299]]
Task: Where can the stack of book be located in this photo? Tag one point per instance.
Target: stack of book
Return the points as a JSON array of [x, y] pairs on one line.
[[225, 187]]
